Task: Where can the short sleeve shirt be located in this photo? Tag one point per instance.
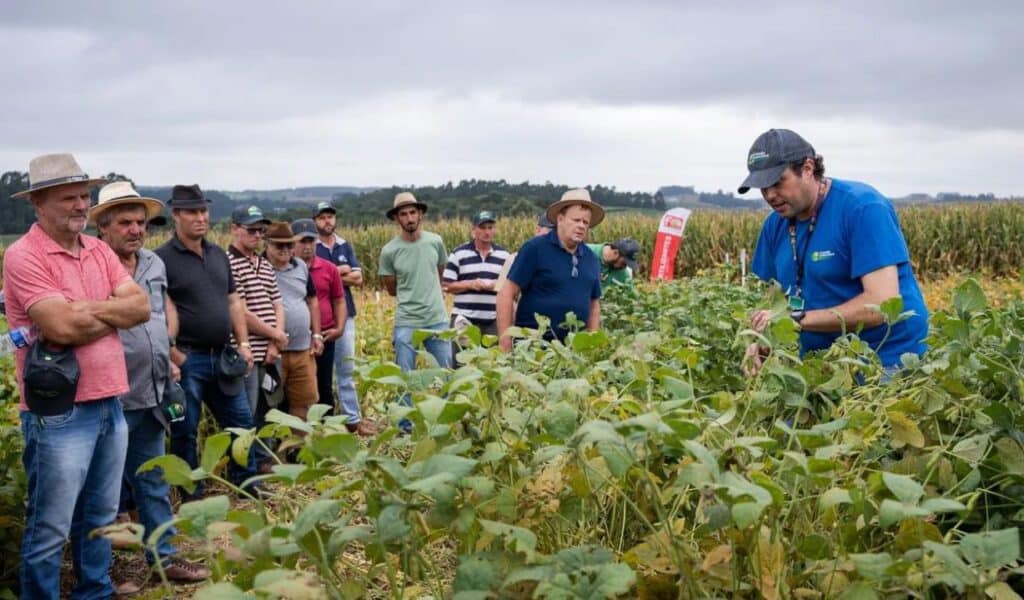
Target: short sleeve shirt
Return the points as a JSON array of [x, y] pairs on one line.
[[328, 287], [341, 253], [257, 286], [466, 263], [414, 265], [147, 345], [543, 270], [296, 287], [36, 268], [199, 287], [856, 232]]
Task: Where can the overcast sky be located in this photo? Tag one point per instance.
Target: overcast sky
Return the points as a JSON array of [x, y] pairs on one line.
[[908, 96]]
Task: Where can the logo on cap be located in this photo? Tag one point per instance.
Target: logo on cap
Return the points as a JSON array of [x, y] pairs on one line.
[[254, 211], [756, 157], [323, 205]]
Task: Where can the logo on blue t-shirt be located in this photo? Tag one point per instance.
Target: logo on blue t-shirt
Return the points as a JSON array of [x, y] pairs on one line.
[[820, 255]]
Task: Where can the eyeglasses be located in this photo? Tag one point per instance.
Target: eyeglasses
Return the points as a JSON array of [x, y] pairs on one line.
[[575, 267], [283, 246], [256, 230]]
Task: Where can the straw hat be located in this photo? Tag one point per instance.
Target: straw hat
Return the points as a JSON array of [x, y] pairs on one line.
[[51, 170], [119, 193], [405, 199], [581, 197]]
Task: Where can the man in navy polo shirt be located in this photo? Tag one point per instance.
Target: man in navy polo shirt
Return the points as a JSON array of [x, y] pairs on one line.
[[555, 273], [332, 248], [835, 248]]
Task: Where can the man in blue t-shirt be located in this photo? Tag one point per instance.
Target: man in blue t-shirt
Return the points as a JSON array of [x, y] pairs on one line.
[[835, 248], [555, 273]]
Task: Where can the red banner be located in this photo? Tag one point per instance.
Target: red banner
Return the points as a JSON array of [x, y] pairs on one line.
[[666, 246]]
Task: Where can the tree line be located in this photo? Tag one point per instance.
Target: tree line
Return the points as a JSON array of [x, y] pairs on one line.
[[449, 200]]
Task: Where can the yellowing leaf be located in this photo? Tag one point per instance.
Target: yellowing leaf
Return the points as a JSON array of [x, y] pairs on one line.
[[905, 431], [1000, 590], [719, 555]]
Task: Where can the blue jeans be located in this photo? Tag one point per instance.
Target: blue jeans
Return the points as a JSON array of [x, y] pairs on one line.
[[148, 490], [405, 354], [344, 365], [199, 378], [73, 463]]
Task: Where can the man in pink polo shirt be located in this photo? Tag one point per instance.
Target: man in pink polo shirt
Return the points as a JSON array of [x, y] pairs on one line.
[[73, 291]]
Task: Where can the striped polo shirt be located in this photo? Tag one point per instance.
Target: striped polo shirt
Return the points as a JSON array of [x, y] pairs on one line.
[[465, 263], [257, 287]]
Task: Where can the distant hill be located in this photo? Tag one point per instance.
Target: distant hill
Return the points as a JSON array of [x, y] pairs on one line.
[[689, 197], [309, 194]]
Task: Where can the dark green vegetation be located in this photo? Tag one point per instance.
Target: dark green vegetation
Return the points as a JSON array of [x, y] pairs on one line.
[[638, 461]]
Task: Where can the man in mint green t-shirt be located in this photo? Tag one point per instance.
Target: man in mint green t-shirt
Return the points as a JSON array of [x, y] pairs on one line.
[[617, 260], [411, 265]]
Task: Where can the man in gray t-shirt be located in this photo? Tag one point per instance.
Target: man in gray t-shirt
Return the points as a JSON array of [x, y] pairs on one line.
[[301, 321]]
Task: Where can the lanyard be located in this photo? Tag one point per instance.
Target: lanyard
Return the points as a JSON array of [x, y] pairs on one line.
[[799, 258]]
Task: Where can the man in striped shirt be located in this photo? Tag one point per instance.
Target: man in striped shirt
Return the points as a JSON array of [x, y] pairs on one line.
[[470, 274], [257, 286]]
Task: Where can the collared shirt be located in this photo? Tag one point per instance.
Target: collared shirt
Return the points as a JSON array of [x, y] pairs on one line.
[[341, 253], [296, 287], [465, 263], [147, 346], [37, 268], [543, 270], [199, 287], [328, 287], [257, 286]]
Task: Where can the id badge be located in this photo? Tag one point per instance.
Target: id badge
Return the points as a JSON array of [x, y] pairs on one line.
[[796, 303]]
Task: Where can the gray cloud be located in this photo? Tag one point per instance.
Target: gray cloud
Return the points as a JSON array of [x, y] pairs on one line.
[[221, 80]]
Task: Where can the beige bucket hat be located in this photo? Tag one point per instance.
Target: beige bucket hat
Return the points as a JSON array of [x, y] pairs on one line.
[[404, 199], [577, 196], [119, 193], [51, 170]]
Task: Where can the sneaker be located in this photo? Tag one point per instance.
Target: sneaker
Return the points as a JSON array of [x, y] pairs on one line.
[[182, 571], [363, 428], [126, 588]]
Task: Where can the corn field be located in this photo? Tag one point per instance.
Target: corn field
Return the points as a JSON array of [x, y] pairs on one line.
[[943, 240], [985, 239]]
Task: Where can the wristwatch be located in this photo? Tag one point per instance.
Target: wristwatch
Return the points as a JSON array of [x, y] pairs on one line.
[[245, 345], [797, 315], [318, 336]]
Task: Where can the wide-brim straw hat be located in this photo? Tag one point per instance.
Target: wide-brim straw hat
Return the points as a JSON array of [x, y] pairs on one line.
[[581, 197], [280, 232], [404, 199], [119, 193], [52, 170]]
